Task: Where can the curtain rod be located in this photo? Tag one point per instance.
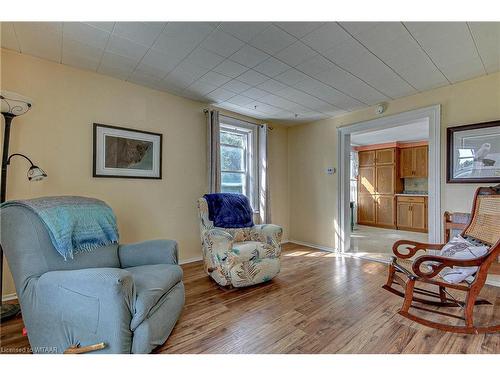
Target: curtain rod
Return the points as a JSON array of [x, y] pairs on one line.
[[238, 119]]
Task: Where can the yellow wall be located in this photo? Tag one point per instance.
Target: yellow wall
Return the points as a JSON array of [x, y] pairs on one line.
[[311, 148], [57, 135]]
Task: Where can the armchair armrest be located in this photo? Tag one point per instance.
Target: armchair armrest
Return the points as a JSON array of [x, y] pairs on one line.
[[437, 263], [107, 284], [218, 242], [148, 252], [413, 247], [268, 233]]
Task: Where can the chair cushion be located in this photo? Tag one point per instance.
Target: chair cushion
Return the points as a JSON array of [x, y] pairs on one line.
[[460, 248], [152, 282], [249, 250]]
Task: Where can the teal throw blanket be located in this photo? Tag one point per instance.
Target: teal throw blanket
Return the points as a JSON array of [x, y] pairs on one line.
[[74, 224]]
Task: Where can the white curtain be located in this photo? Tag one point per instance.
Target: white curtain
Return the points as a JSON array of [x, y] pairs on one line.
[[213, 151], [264, 190]]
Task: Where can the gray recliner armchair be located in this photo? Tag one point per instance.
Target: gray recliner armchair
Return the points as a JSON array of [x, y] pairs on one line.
[[127, 296]]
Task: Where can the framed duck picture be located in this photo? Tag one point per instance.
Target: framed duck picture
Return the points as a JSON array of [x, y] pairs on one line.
[[126, 153], [474, 153]]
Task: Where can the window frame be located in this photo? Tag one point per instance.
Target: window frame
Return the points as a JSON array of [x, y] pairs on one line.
[[250, 154]]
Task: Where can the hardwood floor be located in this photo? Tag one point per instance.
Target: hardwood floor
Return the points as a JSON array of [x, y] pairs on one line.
[[319, 303]]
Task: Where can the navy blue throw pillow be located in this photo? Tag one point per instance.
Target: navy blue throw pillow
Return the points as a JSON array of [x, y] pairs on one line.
[[229, 210]]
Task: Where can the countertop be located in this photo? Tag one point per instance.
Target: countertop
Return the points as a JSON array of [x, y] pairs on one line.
[[412, 195]]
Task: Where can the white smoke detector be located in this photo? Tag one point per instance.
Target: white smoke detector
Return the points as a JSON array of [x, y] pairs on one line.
[[380, 108]]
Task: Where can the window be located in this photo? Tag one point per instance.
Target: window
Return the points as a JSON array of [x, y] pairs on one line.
[[239, 158]]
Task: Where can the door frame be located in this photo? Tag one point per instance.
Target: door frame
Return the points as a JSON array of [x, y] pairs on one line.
[[343, 143]]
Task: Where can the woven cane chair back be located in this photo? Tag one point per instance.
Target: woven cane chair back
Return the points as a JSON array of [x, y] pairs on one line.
[[485, 223]]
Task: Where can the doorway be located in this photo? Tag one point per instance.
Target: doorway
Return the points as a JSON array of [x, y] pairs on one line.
[[431, 117]]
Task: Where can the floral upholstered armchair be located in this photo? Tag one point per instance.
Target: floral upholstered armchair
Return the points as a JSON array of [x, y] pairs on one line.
[[238, 257]]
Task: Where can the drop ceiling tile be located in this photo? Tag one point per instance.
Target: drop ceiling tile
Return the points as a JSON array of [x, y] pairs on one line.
[[240, 100], [220, 95], [255, 93], [272, 67], [201, 88], [144, 33], [272, 86], [326, 37], [180, 38], [41, 39], [299, 29], [272, 40], [84, 33], [451, 47], [204, 58], [249, 56], [173, 84], [327, 72], [487, 37], [262, 107], [116, 65], [222, 43], [188, 71], [215, 79], [244, 30], [9, 39], [291, 77], [296, 53], [145, 69], [126, 48], [141, 77], [329, 94], [230, 68], [356, 59], [279, 102], [392, 43], [236, 86], [160, 61], [80, 55], [106, 26], [252, 77]]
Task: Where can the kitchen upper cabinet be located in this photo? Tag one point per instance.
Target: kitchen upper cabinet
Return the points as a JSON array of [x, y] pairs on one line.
[[385, 156], [421, 161], [366, 158], [413, 162]]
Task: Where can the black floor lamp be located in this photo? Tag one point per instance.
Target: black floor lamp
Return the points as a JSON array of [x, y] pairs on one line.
[[13, 105]]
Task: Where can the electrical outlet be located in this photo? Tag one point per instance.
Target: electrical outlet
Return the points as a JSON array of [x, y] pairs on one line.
[[330, 171]]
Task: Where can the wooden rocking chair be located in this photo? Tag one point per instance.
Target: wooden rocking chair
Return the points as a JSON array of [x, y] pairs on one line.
[[483, 228]]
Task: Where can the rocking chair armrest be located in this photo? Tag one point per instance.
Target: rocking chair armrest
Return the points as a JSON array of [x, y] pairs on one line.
[[437, 263], [415, 247]]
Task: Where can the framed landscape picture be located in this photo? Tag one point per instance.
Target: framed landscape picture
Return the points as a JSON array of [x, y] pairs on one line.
[[474, 153], [127, 153]]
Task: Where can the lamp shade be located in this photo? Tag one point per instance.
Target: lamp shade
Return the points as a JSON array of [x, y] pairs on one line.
[[36, 173], [14, 104]]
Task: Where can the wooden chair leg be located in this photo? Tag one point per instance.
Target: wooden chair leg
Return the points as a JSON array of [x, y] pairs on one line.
[[390, 276], [442, 294], [410, 285]]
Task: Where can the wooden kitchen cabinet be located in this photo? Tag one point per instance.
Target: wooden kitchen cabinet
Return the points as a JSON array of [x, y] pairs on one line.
[[413, 162], [385, 214], [366, 158], [366, 209], [411, 213], [377, 184]]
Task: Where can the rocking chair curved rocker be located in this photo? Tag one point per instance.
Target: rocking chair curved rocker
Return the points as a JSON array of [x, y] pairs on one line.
[[483, 228]]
